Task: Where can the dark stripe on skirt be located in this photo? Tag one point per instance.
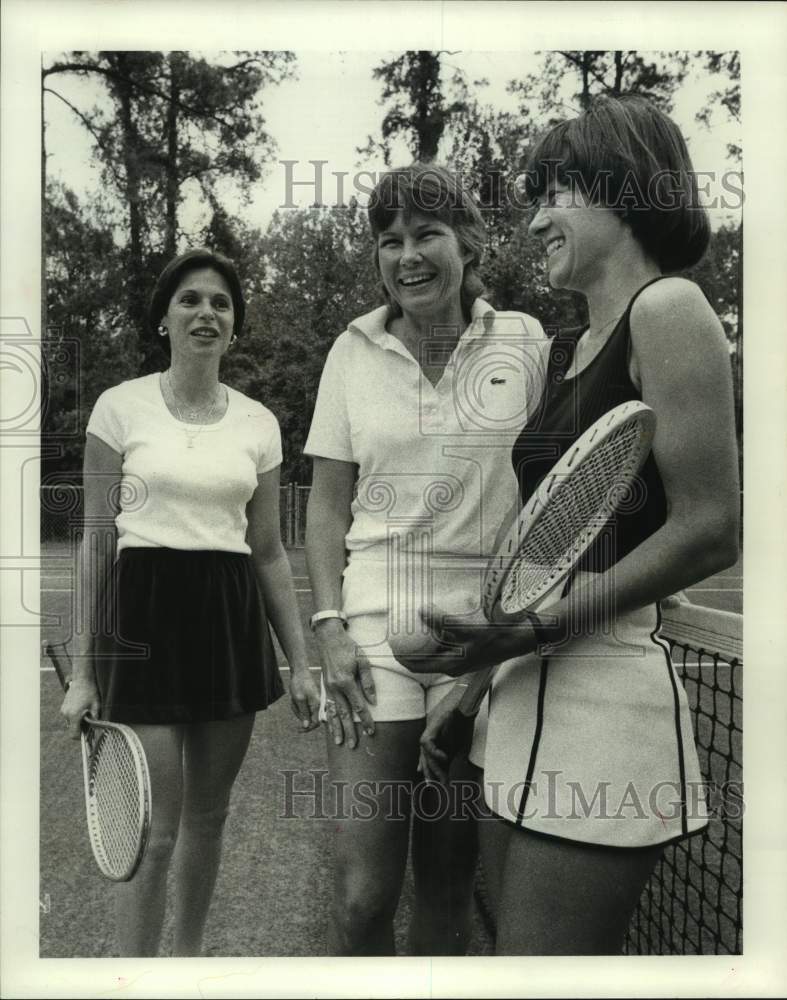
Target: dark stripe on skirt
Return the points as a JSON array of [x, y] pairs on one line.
[[201, 616], [663, 646], [531, 766]]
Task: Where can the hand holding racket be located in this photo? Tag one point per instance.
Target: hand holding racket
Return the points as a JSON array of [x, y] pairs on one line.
[[81, 694], [117, 786], [447, 734], [556, 526]]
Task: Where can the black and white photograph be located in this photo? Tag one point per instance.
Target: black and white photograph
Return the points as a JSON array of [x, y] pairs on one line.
[[379, 473]]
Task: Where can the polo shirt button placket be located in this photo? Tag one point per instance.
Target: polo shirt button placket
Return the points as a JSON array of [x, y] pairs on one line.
[[428, 410], [439, 417]]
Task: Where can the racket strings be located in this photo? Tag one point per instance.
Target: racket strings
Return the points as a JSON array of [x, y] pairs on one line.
[[578, 505], [116, 803]]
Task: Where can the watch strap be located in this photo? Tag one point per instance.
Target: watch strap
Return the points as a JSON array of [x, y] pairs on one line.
[[321, 616]]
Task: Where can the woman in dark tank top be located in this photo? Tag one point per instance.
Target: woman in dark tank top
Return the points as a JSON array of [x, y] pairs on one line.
[[616, 209], [568, 407]]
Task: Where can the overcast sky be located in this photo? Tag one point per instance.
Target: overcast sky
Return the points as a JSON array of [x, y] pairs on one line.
[[330, 109]]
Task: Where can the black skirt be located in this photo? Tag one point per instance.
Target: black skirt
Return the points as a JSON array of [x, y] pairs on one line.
[[185, 638]]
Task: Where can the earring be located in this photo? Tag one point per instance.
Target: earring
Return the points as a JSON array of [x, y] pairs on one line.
[[162, 330], [233, 338]]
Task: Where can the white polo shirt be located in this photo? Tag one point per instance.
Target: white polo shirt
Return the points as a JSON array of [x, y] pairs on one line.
[[434, 462]]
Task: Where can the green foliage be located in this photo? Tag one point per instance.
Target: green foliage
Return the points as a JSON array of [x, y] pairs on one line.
[[87, 330], [568, 80], [317, 275], [719, 274], [188, 122], [727, 100], [417, 109], [515, 274], [176, 122]]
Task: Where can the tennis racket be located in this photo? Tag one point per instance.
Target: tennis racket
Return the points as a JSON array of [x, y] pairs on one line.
[[117, 787], [562, 518]]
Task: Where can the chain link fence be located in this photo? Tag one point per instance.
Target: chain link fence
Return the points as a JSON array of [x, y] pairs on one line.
[[61, 513]]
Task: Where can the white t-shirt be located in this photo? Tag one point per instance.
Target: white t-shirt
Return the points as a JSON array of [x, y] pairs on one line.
[[435, 475], [176, 496]]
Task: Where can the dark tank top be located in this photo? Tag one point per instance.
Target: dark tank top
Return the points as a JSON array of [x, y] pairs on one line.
[[568, 407]]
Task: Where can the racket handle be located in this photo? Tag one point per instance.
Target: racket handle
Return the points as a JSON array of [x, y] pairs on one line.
[[479, 684], [61, 661]]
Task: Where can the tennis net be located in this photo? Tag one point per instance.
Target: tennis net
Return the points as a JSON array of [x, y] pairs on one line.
[[692, 904]]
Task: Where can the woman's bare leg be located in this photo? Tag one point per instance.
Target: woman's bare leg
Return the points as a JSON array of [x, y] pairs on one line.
[[559, 897], [371, 842], [212, 756], [140, 904]]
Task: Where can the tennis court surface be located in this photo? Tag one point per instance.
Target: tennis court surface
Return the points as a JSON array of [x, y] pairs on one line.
[[273, 890]]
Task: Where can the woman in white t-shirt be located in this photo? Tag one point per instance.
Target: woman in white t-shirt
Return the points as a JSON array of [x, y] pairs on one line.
[[182, 566], [418, 406]]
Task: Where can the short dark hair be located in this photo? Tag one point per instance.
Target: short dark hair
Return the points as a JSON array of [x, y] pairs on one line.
[[179, 267], [431, 190], [630, 157]]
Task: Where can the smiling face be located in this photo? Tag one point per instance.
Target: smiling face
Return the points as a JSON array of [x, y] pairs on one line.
[[200, 315], [421, 264], [578, 237]]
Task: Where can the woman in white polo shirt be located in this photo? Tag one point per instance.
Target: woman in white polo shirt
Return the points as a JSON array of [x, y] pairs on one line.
[[181, 478], [418, 406]]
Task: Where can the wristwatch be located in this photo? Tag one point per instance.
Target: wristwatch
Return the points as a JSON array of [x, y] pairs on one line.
[[321, 616]]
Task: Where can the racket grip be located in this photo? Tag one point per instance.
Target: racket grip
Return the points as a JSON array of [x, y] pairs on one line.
[[479, 684], [61, 662]]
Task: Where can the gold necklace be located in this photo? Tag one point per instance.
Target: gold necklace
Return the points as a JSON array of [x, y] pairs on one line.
[[191, 413], [191, 435]]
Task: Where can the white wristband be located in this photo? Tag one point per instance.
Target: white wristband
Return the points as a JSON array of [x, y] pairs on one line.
[[322, 616]]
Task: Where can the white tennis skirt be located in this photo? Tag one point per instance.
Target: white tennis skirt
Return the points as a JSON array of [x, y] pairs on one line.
[[594, 743]]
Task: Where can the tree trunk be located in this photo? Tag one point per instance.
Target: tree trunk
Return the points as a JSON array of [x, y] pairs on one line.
[[137, 304], [618, 73], [429, 121], [171, 183], [585, 98]]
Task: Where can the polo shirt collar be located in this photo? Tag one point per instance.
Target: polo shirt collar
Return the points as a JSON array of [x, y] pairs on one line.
[[372, 324], [482, 318]]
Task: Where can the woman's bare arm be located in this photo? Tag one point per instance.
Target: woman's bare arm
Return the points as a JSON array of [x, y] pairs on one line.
[[346, 673], [101, 474]]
